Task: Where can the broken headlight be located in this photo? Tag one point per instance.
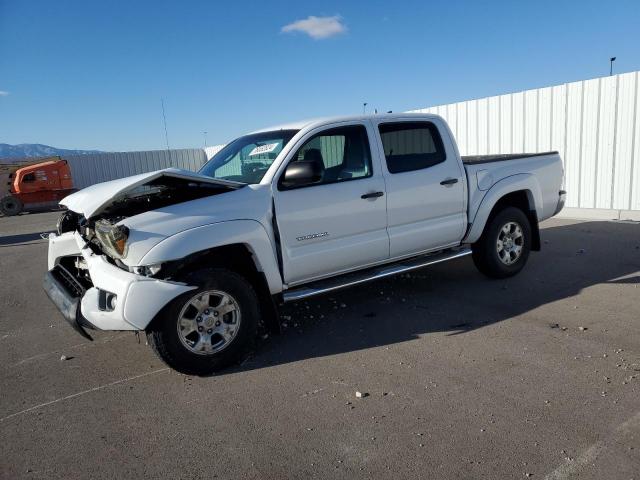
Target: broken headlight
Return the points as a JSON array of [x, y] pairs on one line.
[[147, 270], [113, 238]]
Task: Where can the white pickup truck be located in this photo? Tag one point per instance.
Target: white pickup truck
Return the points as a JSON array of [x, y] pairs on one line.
[[200, 261]]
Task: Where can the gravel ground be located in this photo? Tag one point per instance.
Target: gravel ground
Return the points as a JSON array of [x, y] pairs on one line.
[[534, 377]]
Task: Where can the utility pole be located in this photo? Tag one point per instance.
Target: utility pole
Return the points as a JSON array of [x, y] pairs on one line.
[[166, 135], [611, 60], [164, 120]]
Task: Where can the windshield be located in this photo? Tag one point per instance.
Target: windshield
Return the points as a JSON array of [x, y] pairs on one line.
[[248, 158]]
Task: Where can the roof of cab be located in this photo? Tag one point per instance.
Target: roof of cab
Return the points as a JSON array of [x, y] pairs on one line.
[[316, 122]]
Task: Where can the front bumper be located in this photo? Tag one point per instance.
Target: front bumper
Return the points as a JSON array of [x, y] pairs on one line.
[[67, 303], [138, 299]]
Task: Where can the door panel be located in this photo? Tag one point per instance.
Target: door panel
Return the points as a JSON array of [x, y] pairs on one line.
[[327, 228], [423, 214]]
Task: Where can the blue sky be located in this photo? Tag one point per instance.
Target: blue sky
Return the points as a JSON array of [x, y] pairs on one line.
[[90, 74]]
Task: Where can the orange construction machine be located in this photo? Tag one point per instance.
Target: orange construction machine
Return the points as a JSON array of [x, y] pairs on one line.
[[34, 186]]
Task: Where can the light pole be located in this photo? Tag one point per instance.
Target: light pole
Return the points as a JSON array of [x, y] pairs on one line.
[[611, 60], [164, 120], [205, 139], [364, 108]]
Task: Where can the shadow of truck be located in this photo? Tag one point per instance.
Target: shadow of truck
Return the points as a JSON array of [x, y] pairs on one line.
[[454, 297]]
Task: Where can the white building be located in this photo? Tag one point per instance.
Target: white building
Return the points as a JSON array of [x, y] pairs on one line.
[[594, 124]]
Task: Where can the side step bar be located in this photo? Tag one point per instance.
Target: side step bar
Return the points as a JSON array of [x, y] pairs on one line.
[[375, 273]]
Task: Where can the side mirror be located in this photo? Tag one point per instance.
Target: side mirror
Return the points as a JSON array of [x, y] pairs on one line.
[[302, 172]]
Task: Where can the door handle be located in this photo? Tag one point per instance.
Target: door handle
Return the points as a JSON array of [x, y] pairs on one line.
[[372, 195], [449, 181]]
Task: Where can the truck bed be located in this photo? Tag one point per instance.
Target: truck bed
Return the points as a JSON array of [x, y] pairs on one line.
[[476, 159]]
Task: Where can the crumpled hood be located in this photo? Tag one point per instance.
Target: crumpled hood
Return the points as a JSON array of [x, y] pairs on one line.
[[92, 200], [147, 229]]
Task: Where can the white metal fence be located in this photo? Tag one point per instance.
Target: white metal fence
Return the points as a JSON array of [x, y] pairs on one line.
[[100, 167], [594, 124]]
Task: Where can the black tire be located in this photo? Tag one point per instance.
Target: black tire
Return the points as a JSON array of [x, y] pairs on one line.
[[10, 206], [485, 252], [168, 344]]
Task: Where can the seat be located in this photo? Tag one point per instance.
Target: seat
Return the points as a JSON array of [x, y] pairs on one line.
[[315, 155], [355, 164]]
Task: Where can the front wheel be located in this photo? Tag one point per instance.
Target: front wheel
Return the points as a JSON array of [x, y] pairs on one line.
[[503, 249], [207, 329]]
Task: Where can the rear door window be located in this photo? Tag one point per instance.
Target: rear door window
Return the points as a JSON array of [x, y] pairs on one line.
[[411, 146]]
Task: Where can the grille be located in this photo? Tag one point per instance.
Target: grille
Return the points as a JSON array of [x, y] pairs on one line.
[[71, 284]]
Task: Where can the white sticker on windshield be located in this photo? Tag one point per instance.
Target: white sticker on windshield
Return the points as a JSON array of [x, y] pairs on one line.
[[262, 149]]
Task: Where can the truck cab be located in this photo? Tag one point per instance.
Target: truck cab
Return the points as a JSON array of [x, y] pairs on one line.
[[367, 206]]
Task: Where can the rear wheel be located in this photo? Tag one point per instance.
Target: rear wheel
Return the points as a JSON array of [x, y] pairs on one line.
[[210, 328], [10, 205], [503, 249]]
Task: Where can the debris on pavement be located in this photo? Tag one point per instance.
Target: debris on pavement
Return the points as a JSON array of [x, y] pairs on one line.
[[361, 394]]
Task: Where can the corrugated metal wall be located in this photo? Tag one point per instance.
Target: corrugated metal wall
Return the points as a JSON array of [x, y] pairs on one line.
[[211, 151], [100, 167], [594, 124]]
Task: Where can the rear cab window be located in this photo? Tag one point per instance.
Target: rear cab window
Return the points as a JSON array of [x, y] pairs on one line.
[[410, 146]]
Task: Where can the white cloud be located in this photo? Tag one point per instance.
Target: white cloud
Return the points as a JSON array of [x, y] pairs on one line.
[[317, 27], [3, 93]]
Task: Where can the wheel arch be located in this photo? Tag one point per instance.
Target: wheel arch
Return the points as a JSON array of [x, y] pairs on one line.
[[242, 246], [520, 191]]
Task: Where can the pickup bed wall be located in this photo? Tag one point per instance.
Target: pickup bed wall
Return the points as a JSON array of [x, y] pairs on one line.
[[476, 159]]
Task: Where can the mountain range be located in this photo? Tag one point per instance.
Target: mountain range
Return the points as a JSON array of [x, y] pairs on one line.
[[28, 150]]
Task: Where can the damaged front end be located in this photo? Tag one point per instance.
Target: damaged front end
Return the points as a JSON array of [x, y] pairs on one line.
[[92, 270], [148, 191], [101, 222]]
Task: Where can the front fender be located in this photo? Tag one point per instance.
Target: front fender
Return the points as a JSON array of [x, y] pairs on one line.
[[247, 232], [522, 181]]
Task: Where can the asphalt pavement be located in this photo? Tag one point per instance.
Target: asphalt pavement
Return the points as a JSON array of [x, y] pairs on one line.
[[463, 377]]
